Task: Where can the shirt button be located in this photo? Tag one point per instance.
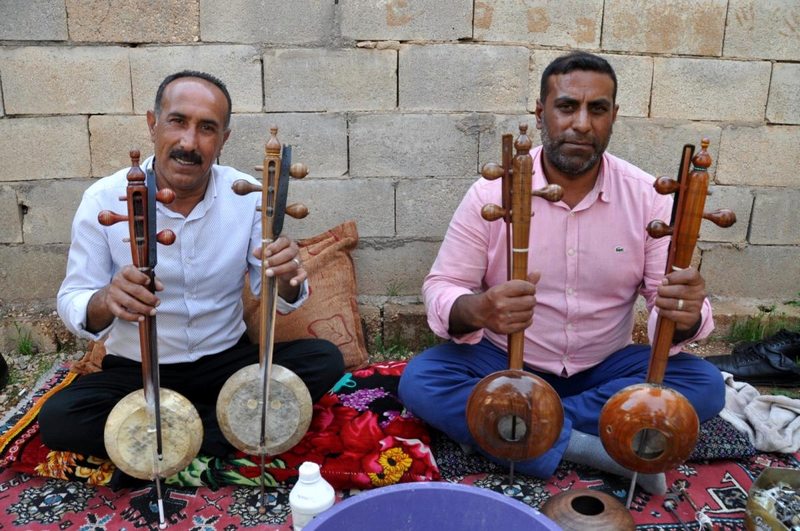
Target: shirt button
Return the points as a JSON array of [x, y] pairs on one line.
[[570, 291], [571, 214], [570, 326], [571, 251]]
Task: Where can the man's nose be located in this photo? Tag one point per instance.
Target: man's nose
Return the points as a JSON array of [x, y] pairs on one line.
[[188, 139], [581, 121]]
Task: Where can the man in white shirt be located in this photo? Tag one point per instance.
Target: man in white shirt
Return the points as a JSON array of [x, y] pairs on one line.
[[199, 279]]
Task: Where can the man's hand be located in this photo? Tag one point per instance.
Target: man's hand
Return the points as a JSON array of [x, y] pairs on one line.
[[680, 299], [126, 297], [503, 309], [283, 262]]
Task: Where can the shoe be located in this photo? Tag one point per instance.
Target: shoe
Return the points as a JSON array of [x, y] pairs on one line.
[[3, 372], [771, 361]]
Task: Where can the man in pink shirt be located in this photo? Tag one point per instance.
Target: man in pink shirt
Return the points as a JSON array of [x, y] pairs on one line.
[[589, 259]]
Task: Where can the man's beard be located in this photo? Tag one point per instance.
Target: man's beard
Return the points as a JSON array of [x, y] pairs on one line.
[[569, 165]]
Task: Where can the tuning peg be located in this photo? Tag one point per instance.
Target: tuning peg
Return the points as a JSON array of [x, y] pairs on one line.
[[108, 218], [666, 185], [491, 171], [551, 192], [702, 159], [244, 187], [297, 210], [298, 170], [165, 237], [492, 212], [658, 229], [722, 217], [165, 195]]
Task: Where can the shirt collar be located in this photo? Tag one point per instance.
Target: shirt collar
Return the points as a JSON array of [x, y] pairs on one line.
[[202, 207], [603, 189]]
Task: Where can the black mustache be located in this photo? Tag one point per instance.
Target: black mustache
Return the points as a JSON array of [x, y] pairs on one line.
[[189, 156]]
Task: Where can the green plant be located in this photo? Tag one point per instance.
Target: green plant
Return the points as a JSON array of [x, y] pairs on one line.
[[794, 302], [756, 327], [25, 344], [394, 288], [393, 350]]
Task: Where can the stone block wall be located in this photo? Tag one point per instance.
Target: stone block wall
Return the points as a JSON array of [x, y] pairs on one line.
[[395, 105]]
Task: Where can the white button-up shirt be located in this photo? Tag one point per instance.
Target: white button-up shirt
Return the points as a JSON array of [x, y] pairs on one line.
[[202, 271]]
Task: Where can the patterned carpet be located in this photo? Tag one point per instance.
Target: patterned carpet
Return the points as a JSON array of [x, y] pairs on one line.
[[30, 500]]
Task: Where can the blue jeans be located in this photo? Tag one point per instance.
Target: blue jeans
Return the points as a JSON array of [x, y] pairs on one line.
[[436, 385]]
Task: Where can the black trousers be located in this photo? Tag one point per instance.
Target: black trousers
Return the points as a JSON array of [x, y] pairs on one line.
[[74, 418]]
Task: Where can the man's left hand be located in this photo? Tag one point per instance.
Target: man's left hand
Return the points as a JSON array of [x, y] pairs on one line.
[[283, 262], [680, 298]]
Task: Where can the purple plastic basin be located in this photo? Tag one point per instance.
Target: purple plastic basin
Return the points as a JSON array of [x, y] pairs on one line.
[[430, 507]]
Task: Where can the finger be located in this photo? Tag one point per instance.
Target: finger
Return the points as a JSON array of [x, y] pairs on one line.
[[276, 246], [534, 277]]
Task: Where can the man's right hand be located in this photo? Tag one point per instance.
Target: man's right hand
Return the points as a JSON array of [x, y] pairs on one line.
[[126, 297], [503, 309]]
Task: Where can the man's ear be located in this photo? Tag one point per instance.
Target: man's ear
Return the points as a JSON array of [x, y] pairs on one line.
[[538, 113], [151, 125], [225, 137], [616, 109]]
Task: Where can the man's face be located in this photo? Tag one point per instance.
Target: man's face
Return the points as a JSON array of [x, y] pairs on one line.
[[576, 120], [188, 134]]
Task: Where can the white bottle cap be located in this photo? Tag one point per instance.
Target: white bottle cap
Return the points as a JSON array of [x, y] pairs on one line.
[[308, 472]]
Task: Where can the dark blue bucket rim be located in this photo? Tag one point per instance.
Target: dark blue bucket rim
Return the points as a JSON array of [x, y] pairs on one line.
[[318, 523]]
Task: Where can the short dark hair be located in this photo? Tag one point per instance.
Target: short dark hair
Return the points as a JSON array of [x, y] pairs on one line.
[[576, 61], [194, 73]]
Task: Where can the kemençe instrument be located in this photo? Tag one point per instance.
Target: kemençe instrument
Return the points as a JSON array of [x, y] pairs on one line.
[[151, 433], [265, 409], [513, 414], [648, 427]]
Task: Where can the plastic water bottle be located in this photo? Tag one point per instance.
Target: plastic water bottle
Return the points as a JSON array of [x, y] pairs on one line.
[[310, 495]]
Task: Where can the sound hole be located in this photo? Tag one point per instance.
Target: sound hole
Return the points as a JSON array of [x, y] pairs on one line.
[[649, 444], [511, 428], [587, 505]]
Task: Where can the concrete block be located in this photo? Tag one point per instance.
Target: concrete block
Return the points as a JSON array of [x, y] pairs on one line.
[[50, 207], [739, 199], [572, 23], [111, 138], [656, 145], [478, 77], [267, 21], [370, 202], [32, 272], [759, 156], [330, 79], [405, 20], [710, 89], [133, 21], [43, 80], [10, 216], [689, 27], [412, 145], [33, 20], [238, 66], [491, 135], [634, 80], [318, 140], [765, 30], [395, 267], [784, 94], [425, 206], [372, 323], [21, 137], [776, 218], [755, 271], [406, 326]]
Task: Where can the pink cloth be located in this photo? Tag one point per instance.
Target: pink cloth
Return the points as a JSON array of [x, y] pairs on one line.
[[595, 260]]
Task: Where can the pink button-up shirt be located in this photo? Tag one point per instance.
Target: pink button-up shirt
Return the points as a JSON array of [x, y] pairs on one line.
[[595, 259]]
